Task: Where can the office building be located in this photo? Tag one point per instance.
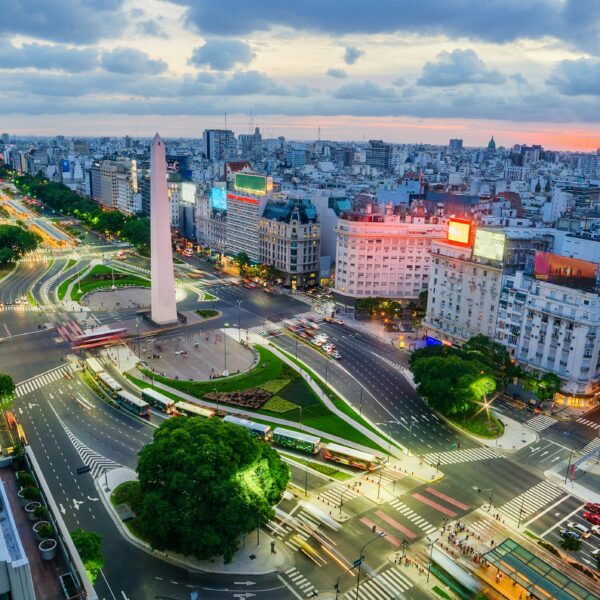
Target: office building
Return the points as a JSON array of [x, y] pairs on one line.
[[219, 144], [251, 145], [379, 155]]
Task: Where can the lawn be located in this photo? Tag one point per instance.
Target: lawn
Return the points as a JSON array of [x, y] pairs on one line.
[[62, 288], [480, 423], [308, 407], [102, 277], [207, 313], [129, 493]]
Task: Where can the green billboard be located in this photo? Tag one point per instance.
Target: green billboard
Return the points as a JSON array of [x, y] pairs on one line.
[[253, 184]]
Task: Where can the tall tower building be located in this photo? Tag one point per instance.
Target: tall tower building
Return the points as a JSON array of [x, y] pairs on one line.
[[163, 305]]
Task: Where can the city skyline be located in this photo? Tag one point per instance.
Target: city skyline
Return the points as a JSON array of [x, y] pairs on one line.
[[402, 74]]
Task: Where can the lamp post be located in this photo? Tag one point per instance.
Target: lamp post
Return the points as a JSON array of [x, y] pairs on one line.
[[306, 463], [521, 511], [217, 399], [360, 401], [361, 557], [326, 365], [491, 490], [431, 543], [412, 420], [137, 330], [224, 350], [239, 303]]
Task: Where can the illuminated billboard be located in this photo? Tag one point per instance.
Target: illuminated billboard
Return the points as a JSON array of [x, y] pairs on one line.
[[218, 199], [489, 244], [252, 184], [459, 232], [188, 193], [65, 166], [565, 270]]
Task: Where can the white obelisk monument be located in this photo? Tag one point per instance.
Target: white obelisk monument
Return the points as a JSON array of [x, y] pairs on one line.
[[164, 307]]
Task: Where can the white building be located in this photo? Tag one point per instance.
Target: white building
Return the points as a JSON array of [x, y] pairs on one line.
[[384, 255]]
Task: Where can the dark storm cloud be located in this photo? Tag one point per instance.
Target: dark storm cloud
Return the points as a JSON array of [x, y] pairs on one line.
[[68, 21], [222, 54], [132, 61], [575, 21], [458, 67], [45, 56], [577, 77]]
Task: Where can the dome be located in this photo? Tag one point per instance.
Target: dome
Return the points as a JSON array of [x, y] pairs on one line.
[[491, 144]]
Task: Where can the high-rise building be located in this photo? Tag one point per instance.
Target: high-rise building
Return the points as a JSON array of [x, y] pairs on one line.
[[211, 218], [455, 145], [5, 138], [289, 241], [219, 144], [251, 145], [379, 155]]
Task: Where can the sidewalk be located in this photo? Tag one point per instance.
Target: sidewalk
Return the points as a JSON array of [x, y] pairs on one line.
[[516, 435], [250, 559]]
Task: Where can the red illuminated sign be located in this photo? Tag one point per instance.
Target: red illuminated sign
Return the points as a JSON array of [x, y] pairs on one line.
[[242, 198], [459, 232]]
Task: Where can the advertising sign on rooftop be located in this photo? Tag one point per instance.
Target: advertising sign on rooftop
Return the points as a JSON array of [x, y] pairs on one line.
[[489, 244], [459, 232], [218, 199], [564, 270], [188, 193], [65, 166], [252, 184]]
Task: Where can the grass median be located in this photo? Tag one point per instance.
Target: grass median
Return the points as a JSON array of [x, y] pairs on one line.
[[101, 277]]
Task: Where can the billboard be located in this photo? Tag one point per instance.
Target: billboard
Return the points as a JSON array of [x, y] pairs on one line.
[[218, 199], [188, 193], [489, 244], [172, 165], [564, 270], [65, 166], [252, 184], [459, 232]]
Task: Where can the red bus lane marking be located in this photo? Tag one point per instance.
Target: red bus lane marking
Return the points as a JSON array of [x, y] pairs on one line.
[[448, 499], [435, 505], [405, 531], [388, 536]]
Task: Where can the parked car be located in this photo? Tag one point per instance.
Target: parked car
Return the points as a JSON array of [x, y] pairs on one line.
[[595, 529], [581, 529], [592, 507], [569, 533], [335, 354], [592, 518]]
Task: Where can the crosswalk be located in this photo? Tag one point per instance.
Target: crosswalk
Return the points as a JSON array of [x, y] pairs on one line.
[[521, 507], [98, 464], [23, 308], [336, 495], [386, 585], [589, 423], [416, 519], [591, 446], [267, 328], [298, 580], [452, 457], [42, 380], [540, 422]]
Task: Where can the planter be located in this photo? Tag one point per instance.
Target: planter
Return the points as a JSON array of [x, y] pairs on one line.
[[30, 510], [47, 549], [41, 525], [22, 500]]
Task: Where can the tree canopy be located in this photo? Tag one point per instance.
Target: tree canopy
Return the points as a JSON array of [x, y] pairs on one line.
[[7, 391], [204, 483], [88, 545], [15, 242]]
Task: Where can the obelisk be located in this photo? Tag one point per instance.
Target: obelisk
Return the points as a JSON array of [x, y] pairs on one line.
[[163, 305]]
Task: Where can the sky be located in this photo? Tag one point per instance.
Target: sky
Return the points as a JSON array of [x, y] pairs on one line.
[[525, 71]]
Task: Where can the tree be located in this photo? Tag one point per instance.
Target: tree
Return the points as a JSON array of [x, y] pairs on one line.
[[88, 545], [548, 386], [15, 242], [570, 543], [242, 261], [428, 351], [111, 221], [203, 483], [7, 391], [494, 355], [137, 232]]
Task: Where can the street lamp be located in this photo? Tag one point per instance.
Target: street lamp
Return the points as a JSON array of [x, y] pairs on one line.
[[137, 329], [412, 420], [431, 543], [361, 557], [491, 490], [306, 462], [217, 399], [239, 303]]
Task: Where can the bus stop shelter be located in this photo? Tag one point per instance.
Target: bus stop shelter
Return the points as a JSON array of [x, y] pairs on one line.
[[536, 576]]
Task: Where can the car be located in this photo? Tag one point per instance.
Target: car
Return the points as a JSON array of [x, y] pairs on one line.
[[592, 518], [328, 347], [317, 342], [581, 529], [595, 529], [595, 553], [335, 354], [568, 533], [592, 507]]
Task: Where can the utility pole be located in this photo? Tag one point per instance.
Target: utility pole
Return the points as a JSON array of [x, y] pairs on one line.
[[239, 303], [432, 543], [361, 557]]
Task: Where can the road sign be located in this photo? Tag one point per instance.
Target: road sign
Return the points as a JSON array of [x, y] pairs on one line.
[[84, 469]]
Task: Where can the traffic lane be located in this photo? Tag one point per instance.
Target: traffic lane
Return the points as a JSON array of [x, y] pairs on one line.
[[20, 320], [543, 454], [28, 355], [17, 284], [305, 478], [558, 512]]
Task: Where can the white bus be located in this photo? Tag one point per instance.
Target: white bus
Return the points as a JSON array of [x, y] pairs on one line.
[[351, 457], [158, 400], [132, 403], [93, 366], [258, 429], [109, 384], [193, 410]]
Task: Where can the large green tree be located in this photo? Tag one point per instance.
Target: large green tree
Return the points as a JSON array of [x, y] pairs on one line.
[[204, 483], [88, 545], [7, 391], [137, 232], [15, 242]]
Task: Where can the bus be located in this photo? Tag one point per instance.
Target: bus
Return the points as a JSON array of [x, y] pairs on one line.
[[109, 384], [158, 400], [193, 410], [93, 366], [188, 252], [351, 457], [257, 429], [296, 440], [101, 336], [132, 403]]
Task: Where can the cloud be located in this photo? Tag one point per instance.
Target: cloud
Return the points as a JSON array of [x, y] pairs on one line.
[[151, 28], [250, 83], [337, 73], [45, 56], [365, 90], [499, 21], [132, 62], [222, 55], [458, 67], [577, 77], [67, 21], [352, 54]]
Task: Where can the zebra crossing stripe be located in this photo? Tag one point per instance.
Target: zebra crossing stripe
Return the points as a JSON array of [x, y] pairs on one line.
[[589, 423], [525, 504], [42, 380], [591, 446], [540, 422], [413, 517], [459, 456], [384, 585]]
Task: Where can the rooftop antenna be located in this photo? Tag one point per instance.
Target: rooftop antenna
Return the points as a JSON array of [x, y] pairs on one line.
[[319, 134], [225, 119]]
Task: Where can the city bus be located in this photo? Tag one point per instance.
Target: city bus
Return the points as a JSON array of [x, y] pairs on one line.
[[193, 410], [351, 457], [132, 403], [93, 366], [257, 429], [296, 440], [158, 400], [111, 386]]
